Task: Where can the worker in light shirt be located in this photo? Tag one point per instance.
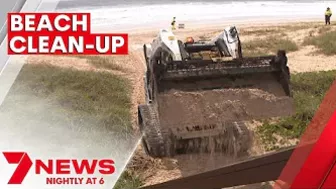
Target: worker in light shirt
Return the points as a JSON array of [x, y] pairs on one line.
[[327, 14], [173, 23]]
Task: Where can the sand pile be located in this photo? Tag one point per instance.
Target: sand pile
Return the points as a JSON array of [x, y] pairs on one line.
[[221, 112], [178, 108]]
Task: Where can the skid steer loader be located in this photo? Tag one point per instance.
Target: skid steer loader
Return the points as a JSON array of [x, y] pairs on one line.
[[199, 94]]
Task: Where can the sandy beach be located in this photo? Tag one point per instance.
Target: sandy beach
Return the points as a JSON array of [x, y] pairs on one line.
[[305, 58]]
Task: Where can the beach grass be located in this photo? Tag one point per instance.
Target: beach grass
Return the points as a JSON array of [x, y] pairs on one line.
[[279, 29], [99, 95], [267, 46], [300, 26], [325, 42], [259, 32], [102, 62], [308, 91], [128, 180]]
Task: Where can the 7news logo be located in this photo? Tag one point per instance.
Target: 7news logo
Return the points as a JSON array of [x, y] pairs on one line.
[[59, 167]]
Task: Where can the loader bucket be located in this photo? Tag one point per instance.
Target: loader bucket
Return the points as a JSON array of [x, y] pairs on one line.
[[200, 95], [202, 102]]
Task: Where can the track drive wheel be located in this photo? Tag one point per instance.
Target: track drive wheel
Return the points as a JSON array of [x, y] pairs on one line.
[[157, 141]]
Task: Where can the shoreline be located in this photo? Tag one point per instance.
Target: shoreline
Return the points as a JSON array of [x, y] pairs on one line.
[[159, 15]]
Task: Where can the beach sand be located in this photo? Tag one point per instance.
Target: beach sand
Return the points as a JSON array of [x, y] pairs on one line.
[[154, 171], [303, 60]]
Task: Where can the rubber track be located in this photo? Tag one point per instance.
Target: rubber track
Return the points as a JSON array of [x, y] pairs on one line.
[[158, 139]]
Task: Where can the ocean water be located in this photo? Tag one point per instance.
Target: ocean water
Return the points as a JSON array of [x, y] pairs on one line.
[[120, 14]]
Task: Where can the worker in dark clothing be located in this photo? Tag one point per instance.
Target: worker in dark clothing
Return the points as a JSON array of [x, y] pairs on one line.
[[173, 24], [327, 14]]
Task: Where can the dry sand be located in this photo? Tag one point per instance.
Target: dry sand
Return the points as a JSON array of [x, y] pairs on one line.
[[160, 170], [178, 108], [303, 60]]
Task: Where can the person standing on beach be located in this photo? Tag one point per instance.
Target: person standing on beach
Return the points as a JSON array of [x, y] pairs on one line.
[[173, 23], [327, 14]]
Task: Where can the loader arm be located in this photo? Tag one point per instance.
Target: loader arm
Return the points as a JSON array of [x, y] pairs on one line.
[[227, 43]]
